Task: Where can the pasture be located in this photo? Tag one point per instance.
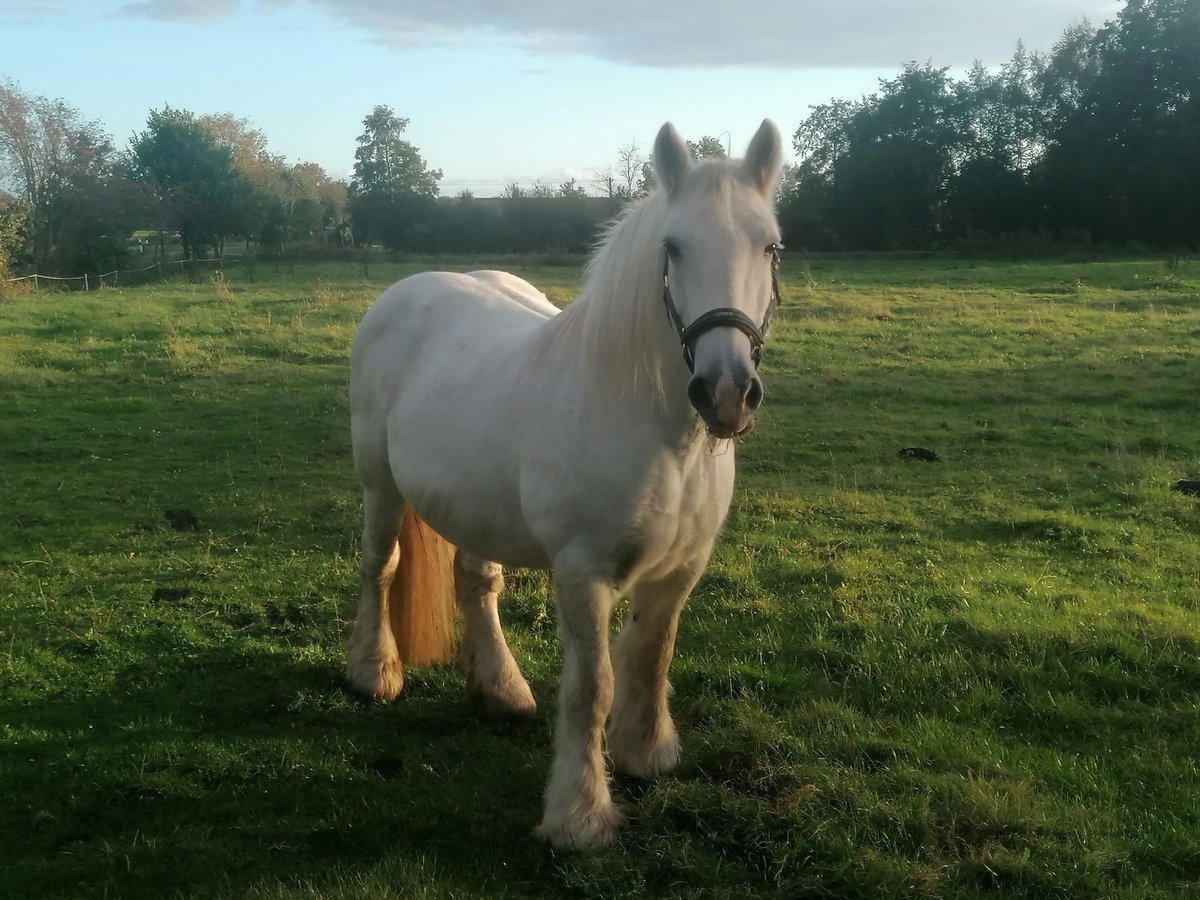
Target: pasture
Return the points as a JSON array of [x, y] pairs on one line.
[[972, 677]]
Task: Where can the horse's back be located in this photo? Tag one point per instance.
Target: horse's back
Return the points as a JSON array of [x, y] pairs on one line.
[[431, 300], [442, 319], [517, 289]]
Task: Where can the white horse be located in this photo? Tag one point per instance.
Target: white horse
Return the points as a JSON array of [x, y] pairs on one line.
[[582, 441]]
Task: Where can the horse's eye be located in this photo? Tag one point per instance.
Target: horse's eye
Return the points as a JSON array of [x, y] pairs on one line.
[[672, 248], [773, 248]]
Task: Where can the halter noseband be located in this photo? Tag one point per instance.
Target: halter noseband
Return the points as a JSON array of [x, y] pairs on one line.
[[722, 317]]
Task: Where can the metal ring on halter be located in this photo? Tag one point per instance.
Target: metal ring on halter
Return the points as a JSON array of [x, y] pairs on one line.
[[723, 317]]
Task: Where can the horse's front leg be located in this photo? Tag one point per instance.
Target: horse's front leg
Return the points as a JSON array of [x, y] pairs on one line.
[[579, 811], [641, 736]]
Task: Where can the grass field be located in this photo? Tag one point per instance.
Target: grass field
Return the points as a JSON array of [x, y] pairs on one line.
[[977, 677]]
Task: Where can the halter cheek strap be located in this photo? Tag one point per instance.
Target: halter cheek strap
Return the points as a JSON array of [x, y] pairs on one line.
[[722, 317]]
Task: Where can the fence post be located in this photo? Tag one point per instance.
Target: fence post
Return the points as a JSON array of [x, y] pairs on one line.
[[85, 282]]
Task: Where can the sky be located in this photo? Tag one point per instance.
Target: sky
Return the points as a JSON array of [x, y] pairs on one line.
[[499, 92]]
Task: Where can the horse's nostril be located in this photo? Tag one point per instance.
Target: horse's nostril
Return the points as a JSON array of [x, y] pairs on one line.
[[754, 393], [701, 394]]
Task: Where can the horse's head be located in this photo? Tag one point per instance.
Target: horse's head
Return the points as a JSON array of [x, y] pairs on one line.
[[720, 241]]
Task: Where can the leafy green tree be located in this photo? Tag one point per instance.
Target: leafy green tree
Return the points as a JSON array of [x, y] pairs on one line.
[[329, 194], [822, 141], [882, 166], [1098, 138], [1002, 139], [1121, 160], [287, 202], [15, 221], [392, 195], [192, 181], [95, 209], [646, 181]]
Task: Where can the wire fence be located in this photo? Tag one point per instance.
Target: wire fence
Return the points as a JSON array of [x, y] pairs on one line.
[[159, 271]]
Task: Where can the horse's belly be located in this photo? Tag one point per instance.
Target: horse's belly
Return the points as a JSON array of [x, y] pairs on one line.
[[453, 450], [486, 522]]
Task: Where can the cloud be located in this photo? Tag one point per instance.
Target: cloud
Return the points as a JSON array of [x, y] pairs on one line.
[[701, 33], [196, 12], [20, 13], [715, 33]]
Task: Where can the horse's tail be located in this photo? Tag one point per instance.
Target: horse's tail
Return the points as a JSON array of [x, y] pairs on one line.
[[421, 598]]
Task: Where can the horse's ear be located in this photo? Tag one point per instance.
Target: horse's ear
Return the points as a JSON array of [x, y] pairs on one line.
[[764, 158], [672, 159]]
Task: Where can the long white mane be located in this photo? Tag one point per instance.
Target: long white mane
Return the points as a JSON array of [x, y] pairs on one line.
[[617, 325], [608, 326]]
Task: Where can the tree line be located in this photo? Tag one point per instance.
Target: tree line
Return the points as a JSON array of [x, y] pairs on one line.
[[200, 178], [1096, 141]]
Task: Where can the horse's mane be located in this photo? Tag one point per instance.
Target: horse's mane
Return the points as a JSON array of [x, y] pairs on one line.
[[617, 324]]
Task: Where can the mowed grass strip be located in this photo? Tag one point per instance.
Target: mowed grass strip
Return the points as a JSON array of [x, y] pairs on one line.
[[971, 677]]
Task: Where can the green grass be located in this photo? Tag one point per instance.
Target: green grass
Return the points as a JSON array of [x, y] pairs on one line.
[[971, 678]]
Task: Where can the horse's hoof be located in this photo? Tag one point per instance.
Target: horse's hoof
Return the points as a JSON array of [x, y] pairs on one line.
[[583, 832], [381, 680], [510, 703], [644, 762]]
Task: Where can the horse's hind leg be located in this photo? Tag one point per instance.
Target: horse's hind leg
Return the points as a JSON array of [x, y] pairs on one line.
[[494, 683], [641, 735], [373, 664]]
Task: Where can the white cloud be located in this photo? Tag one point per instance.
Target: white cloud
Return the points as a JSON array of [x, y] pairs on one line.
[[188, 11], [702, 33], [799, 35], [19, 13]]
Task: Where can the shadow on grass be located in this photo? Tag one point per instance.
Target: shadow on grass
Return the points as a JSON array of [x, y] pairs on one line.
[[197, 770]]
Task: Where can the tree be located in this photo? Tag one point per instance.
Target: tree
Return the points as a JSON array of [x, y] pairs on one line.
[[1065, 75], [247, 147], [571, 188], [707, 146], [95, 210], [391, 197], [1003, 137], [14, 234], [1099, 138], [1122, 154], [52, 156], [882, 166], [288, 202], [330, 194], [191, 180], [646, 182], [621, 182], [629, 167], [822, 142]]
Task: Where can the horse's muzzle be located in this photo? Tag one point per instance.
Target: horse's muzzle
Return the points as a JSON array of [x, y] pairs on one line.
[[726, 406]]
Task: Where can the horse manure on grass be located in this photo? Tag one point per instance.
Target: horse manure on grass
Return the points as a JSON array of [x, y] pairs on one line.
[[171, 596], [181, 519]]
